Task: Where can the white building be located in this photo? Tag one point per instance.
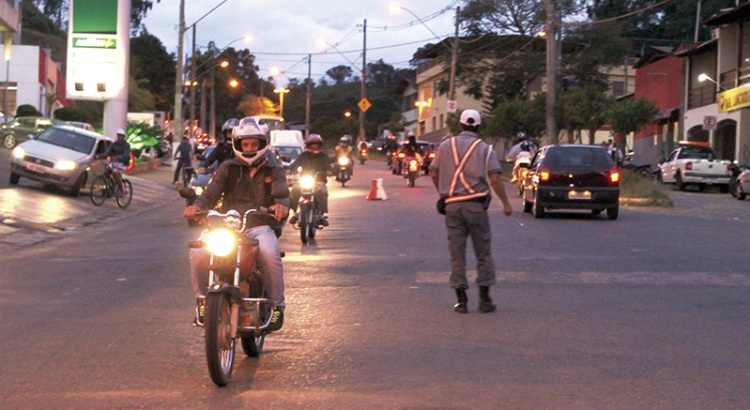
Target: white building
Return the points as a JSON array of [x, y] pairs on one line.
[[31, 77]]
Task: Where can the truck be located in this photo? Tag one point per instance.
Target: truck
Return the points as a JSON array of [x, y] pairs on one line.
[[694, 163]]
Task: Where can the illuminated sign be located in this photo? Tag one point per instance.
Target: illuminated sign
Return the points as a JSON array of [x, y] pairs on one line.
[[734, 99], [96, 68]]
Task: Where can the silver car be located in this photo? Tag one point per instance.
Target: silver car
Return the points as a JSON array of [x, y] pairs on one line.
[[61, 155]]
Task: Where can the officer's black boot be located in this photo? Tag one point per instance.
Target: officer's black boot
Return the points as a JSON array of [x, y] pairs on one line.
[[463, 300], [485, 302]]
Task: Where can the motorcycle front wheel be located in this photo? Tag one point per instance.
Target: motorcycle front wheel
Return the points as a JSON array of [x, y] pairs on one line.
[[219, 345], [305, 220]]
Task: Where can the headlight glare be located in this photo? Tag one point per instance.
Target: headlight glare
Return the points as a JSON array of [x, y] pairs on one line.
[[19, 153], [307, 182], [65, 165], [343, 161], [221, 242]]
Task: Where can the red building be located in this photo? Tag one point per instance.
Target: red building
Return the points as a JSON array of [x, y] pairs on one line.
[[659, 79]]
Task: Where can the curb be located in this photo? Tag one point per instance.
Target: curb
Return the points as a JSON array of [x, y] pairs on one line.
[[145, 166], [663, 202]]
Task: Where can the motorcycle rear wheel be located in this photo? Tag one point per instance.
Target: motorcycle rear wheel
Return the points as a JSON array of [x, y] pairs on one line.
[[253, 345], [219, 345]]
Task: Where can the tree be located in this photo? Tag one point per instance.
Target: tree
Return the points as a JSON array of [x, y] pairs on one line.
[[630, 115], [583, 109], [70, 114], [150, 61], [339, 74]]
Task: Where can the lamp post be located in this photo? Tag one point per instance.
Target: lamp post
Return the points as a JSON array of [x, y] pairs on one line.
[[281, 91]]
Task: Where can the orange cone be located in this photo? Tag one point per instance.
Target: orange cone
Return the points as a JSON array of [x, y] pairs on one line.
[[377, 191]]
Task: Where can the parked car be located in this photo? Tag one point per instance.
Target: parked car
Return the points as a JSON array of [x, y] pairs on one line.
[[202, 142], [86, 126], [61, 155], [18, 130], [572, 177], [694, 163]]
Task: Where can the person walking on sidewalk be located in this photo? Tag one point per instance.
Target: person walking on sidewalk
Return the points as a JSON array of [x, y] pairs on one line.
[[184, 153], [463, 171]]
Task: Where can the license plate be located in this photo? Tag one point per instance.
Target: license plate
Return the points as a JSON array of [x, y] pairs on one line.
[[36, 168], [585, 195]]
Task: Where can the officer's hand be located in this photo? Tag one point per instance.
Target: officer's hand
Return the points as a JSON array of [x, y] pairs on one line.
[[190, 211], [507, 210], [280, 211]]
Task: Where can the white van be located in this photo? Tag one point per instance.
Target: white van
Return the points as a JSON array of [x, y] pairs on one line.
[[287, 138]]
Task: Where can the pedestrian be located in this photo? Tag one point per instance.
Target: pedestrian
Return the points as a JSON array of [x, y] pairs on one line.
[[184, 152], [463, 171]]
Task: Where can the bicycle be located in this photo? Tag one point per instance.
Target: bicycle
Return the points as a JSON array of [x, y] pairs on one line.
[[105, 186]]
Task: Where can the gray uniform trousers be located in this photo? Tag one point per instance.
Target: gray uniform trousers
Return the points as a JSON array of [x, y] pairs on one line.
[[469, 219]]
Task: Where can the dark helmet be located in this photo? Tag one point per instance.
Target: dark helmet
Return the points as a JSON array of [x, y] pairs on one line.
[[526, 145], [314, 143], [521, 136]]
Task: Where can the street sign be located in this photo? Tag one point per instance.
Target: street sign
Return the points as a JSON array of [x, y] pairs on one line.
[[452, 106], [709, 122], [364, 104]]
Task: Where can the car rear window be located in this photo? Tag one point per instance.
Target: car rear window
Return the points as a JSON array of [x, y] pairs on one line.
[[577, 157], [696, 153], [67, 139]]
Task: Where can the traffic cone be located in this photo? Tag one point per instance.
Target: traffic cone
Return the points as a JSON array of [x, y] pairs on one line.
[[377, 191]]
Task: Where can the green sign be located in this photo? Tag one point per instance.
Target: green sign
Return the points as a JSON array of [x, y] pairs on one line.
[[94, 42], [95, 16]]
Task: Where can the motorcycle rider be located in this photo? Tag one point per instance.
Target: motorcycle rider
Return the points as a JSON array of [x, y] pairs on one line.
[[412, 149], [344, 149], [251, 180], [316, 162], [523, 145], [223, 150]]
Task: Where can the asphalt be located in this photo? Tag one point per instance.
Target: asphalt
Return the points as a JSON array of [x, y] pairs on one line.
[[31, 213]]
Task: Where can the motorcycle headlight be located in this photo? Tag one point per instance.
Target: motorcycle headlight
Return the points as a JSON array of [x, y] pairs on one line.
[[221, 242], [343, 161], [307, 182], [65, 165], [198, 190]]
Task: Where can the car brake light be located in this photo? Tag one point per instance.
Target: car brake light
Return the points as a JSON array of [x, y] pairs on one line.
[[689, 166], [614, 176], [544, 175]]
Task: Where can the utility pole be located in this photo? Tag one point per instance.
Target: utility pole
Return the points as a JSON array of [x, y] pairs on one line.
[[454, 60], [177, 120], [364, 78], [308, 95], [552, 61], [192, 89]]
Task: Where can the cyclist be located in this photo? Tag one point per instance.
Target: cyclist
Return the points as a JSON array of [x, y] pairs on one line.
[[120, 153]]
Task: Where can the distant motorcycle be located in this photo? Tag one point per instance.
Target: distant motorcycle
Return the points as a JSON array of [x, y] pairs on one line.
[[342, 174], [411, 167], [197, 184], [362, 155], [309, 215], [236, 305]]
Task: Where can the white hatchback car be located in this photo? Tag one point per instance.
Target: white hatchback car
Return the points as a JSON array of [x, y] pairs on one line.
[[64, 156]]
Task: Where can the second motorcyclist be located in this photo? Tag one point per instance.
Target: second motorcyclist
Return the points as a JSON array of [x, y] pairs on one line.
[[314, 162], [223, 150]]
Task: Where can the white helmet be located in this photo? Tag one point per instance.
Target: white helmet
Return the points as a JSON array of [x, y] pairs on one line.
[[246, 130]]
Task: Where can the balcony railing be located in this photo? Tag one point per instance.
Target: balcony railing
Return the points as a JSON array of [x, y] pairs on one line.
[[702, 96]]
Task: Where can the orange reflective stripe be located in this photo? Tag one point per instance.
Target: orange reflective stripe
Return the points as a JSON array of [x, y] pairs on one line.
[[460, 164]]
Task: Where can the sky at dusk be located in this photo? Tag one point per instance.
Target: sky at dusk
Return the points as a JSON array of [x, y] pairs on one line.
[[284, 32]]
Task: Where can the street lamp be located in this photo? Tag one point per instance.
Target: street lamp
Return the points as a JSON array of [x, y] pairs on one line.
[[281, 91], [396, 7]]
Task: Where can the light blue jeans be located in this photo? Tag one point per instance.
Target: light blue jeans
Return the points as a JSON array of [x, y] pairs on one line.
[[269, 264]]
